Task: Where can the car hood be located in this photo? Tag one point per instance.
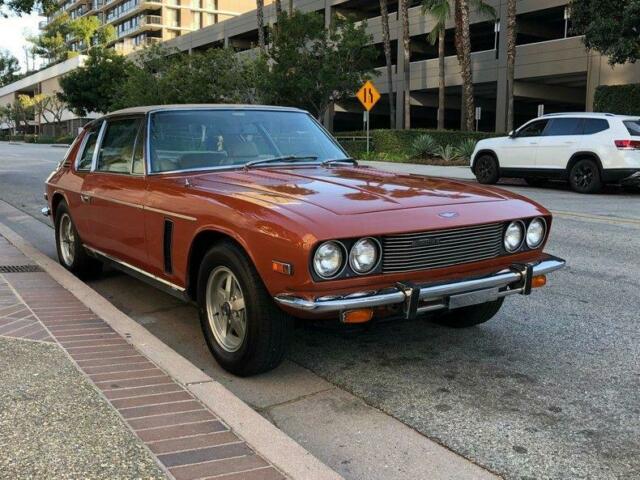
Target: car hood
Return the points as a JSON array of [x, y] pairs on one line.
[[345, 190]]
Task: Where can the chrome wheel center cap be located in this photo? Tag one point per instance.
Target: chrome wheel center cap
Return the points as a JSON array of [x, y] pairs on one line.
[[226, 309]]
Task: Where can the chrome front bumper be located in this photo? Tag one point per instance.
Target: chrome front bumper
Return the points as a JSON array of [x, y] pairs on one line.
[[417, 299]]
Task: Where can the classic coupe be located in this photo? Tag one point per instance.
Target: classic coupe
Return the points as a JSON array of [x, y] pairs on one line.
[[259, 216]]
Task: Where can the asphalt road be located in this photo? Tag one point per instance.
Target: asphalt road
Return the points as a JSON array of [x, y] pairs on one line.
[[550, 388]]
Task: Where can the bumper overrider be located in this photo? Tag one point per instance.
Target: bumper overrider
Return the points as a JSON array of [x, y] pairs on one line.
[[417, 299]]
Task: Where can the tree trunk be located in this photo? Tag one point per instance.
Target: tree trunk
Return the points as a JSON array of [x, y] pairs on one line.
[[406, 50], [511, 59], [441, 80], [290, 7], [260, 14], [384, 12], [467, 73], [278, 7]]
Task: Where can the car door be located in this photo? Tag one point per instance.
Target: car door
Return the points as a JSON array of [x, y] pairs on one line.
[[116, 191], [519, 150], [558, 143], [82, 167]]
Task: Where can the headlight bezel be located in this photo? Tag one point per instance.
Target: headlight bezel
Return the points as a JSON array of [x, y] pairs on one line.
[[542, 237], [343, 263], [378, 248], [523, 230]]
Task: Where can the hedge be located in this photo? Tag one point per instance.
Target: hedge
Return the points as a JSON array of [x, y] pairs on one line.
[[618, 99], [36, 139], [400, 141]]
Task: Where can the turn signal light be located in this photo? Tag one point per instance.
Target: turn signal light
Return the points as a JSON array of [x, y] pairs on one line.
[[357, 316], [538, 281], [281, 267]]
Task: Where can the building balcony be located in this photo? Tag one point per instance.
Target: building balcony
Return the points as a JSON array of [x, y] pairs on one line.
[[138, 7]]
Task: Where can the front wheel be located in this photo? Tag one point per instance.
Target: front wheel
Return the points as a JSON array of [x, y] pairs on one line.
[[469, 316], [71, 253], [486, 169], [246, 333]]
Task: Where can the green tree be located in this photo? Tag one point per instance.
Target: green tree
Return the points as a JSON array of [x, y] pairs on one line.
[[25, 7], [9, 67], [609, 27], [440, 11], [51, 43], [84, 29], [8, 118], [97, 85], [163, 76], [309, 66]]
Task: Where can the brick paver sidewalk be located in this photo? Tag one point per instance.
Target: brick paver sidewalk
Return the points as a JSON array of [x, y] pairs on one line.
[[186, 437]]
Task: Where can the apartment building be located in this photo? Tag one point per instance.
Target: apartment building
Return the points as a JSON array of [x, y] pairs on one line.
[[554, 72]]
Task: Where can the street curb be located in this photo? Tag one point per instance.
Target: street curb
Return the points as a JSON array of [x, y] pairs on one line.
[[267, 440]]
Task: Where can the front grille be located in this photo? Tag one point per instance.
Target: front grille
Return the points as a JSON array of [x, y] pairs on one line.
[[442, 248]]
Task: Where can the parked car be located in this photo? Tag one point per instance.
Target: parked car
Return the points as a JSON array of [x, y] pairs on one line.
[[258, 215], [587, 149]]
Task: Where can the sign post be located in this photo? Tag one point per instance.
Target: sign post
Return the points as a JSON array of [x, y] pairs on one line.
[[478, 116], [368, 96]]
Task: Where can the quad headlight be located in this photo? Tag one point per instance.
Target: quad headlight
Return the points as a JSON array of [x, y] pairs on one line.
[[364, 255], [536, 232], [329, 259], [513, 236]]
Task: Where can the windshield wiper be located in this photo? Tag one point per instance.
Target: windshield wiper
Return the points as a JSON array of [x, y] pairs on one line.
[[330, 162], [284, 158]]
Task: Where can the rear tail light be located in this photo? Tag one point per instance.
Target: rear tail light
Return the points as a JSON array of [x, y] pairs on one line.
[[628, 144]]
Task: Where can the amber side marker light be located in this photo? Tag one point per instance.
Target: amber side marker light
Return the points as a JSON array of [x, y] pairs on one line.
[[357, 316], [538, 281], [281, 267]]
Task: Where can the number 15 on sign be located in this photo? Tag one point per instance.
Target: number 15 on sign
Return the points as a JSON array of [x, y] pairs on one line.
[[368, 96]]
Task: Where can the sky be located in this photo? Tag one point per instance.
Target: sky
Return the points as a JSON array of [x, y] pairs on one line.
[[13, 31]]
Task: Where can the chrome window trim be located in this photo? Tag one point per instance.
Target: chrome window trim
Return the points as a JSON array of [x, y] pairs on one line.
[[94, 160], [83, 145], [149, 170]]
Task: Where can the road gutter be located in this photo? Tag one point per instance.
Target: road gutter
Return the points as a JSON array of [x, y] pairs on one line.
[[270, 442]]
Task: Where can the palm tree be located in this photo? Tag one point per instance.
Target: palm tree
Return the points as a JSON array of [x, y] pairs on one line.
[[463, 47], [290, 7], [260, 14], [406, 48], [384, 13], [440, 10], [278, 7], [511, 59]]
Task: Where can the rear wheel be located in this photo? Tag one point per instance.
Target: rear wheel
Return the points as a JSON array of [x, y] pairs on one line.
[[469, 316], [71, 253], [486, 169], [245, 331], [584, 176]]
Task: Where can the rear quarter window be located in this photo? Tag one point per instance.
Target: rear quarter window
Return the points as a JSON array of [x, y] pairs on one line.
[[633, 126]]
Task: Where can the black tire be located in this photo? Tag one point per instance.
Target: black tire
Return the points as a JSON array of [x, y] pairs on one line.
[[535, 182], [79, 262], [584, 176], [268, 329], [470, 316], [486, 169]]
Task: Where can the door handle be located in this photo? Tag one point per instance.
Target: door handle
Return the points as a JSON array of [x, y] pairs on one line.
[[85, 198], [533, 143]]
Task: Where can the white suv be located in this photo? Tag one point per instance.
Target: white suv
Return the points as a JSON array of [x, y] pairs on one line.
[[588, 149]]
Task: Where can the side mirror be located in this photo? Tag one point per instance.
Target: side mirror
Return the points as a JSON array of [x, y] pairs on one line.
[[512, 134]]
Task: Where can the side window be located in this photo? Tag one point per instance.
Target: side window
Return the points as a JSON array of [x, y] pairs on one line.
[[86, 155], [594, 125], [563, 126], [116, 150], [534, 129], [138, 153]]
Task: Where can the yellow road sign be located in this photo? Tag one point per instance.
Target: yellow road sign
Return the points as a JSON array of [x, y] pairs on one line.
[[368, 95]]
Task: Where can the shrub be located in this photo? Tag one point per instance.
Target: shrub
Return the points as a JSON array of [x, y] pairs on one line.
[[448, 153], [618, 99], [465, 149], [423, 146]]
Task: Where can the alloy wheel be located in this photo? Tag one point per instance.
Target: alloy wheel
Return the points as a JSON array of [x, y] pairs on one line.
[[226, 310], [583, 176], [67, 238]]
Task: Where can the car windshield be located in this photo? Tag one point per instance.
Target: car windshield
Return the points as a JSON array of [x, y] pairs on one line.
[[204, 139]]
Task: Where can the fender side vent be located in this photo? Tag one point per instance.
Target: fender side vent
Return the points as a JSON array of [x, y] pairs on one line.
[[20, 269], [168, 240]]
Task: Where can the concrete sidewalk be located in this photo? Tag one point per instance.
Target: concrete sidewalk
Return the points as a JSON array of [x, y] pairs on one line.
[[83, 399]]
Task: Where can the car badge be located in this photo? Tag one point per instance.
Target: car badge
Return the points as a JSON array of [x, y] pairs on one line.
[[448, 214]]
